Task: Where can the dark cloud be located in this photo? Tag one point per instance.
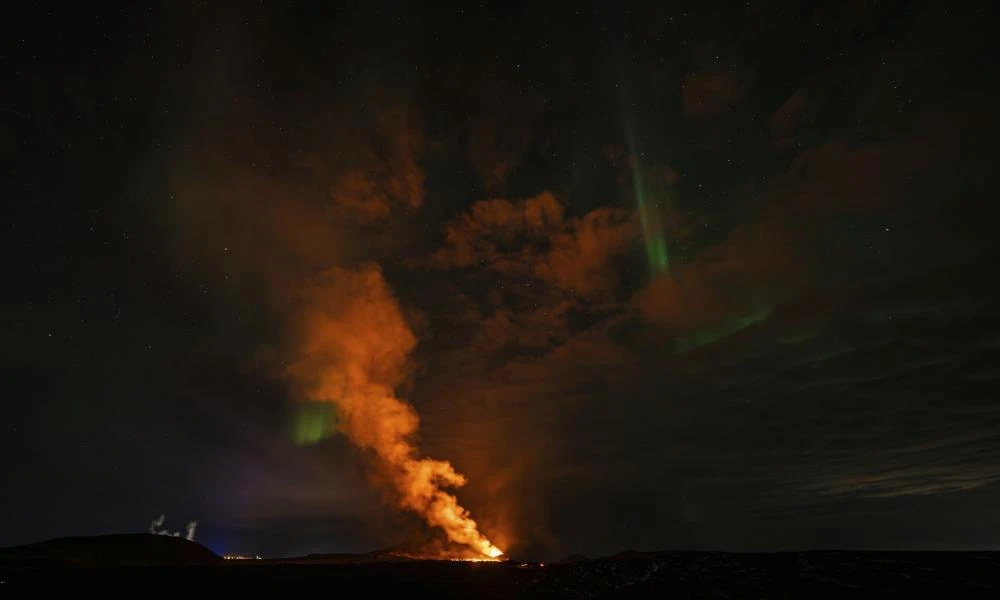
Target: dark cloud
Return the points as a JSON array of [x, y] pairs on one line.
[[532, 239], [793, 239], [830, 398], [704, 95], [501, 134], [788, 118], [384, 174]]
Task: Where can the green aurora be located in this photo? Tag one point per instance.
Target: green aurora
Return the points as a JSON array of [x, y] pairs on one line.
[[654, 238], [313, 422]]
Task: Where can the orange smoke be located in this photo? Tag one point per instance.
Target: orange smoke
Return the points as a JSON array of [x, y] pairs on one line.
[[353, 352]]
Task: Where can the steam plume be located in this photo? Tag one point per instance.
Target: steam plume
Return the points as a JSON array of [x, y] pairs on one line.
[[156, 524], [156, 528], [189, 530], [353, 353]]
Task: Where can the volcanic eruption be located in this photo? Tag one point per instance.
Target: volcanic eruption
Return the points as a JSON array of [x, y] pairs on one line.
[[353, 351]]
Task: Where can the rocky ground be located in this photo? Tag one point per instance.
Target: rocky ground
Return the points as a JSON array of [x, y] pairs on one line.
[[131, 566]]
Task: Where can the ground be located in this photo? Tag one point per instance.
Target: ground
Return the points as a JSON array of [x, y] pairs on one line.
[[819, 574]]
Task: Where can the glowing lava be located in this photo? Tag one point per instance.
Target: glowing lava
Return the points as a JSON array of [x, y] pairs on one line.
[[474, 559], [492, 552]]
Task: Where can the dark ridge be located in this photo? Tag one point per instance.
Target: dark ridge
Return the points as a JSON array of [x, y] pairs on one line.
[[140, 549], [572, 558]]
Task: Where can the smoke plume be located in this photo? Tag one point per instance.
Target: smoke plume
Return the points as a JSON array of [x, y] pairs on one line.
[[353, 352], [281, 233], [156, 528]]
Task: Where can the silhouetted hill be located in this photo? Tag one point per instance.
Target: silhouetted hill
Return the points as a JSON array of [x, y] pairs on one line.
[[109, 550], [572, 558]]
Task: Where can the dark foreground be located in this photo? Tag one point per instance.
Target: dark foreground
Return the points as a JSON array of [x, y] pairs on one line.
[[826, 574]]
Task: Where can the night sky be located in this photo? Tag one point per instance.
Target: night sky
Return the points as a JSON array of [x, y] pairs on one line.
[[688, 275]]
